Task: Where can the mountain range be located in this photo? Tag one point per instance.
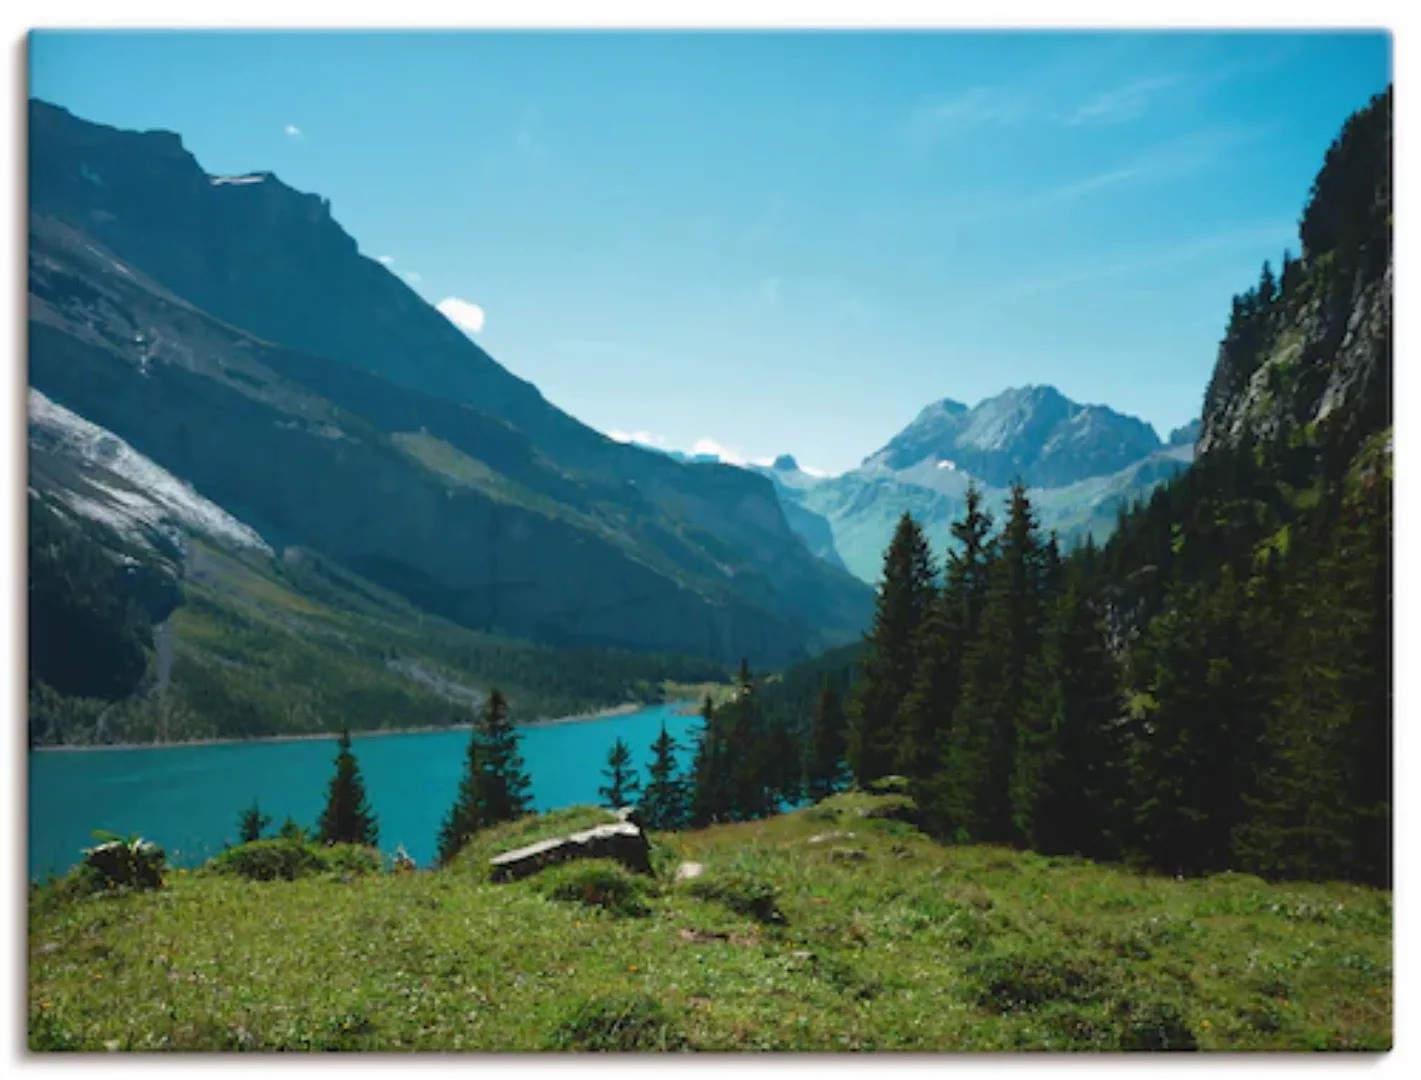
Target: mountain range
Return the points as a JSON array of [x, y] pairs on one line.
[[190, 316], [1080, 463]]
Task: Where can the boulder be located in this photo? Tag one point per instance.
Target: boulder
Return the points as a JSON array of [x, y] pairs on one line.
[[620, 840], [689, 871]]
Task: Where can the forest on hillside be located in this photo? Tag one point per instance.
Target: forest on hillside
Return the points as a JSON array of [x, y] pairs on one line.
[[1209, 690]]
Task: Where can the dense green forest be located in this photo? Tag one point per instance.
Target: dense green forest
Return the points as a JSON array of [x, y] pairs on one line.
[[1209, 690]]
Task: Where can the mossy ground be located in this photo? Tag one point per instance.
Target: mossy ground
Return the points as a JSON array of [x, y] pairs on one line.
[[880, 940]]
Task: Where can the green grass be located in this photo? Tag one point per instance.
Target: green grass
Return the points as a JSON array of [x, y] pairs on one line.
[[913, 947]]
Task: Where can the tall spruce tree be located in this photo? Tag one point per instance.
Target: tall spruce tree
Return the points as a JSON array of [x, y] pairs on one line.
[[1193, 768], [347, 818], [494, 787], [1068, 786], [710, 770], [1000, 661], [824, 770], [905, 596], [783, 778], [951, 623], [665, 801], [622, 786]]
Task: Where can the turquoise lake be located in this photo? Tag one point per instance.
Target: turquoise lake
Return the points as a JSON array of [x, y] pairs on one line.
[[187, 798]]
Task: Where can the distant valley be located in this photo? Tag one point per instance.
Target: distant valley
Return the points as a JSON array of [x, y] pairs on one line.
[[1081, 463]]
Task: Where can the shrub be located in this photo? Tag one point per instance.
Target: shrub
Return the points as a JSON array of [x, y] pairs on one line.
[[596, 883], [352, 859], [1008, 982], [130, 862], [1157, 1025], [743, 893], [618, 1025], [279, 859]]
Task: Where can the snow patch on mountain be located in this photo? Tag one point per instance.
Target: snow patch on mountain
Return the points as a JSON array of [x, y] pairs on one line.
[[149, 499]]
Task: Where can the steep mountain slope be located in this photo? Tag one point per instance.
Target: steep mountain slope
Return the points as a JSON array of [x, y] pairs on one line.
[[154, 615], [1082, 464], [379, 433], [1316, 343]]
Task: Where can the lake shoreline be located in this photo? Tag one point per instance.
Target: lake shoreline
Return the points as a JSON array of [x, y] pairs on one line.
[[314, 736]]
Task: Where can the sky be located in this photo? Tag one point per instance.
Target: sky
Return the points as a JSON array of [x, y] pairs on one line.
[[754, 244]]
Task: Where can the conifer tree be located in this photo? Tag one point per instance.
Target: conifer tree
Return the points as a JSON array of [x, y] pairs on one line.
[[710, 773], [251, 822], [952, 621], [622, 787], [747, 752], [494, 786], [347, 818], [783, 779], [504, 791], [1000, 661], [1068, 785], [664, 803], [1193, 768], [905, 596], [824, 770]]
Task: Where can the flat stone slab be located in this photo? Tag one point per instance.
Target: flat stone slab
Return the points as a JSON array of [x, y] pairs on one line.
[[618, 840]]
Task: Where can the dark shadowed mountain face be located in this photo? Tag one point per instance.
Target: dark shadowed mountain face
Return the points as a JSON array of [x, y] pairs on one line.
[[230, 330], [1034, 433]]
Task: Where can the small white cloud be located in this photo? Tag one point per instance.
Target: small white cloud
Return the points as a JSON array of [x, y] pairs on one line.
[[387, 260], [466, 316], [293, 131], [770, 291], [412, 277], [710, 446]]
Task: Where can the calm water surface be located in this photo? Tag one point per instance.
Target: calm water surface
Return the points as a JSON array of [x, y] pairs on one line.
[[187, 798]]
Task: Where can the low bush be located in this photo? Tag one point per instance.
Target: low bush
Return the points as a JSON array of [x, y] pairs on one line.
[[1012, 981], [618, 1025], [743, 893], [596, 883], [286, 859]]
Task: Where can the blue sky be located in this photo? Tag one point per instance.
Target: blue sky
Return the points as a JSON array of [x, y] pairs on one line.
[[781, 242]]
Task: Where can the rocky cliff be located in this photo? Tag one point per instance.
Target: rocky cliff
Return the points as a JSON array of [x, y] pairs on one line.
[[1313, 345]]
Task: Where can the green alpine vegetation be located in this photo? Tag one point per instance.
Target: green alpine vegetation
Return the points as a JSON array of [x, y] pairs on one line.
[[835, 927]]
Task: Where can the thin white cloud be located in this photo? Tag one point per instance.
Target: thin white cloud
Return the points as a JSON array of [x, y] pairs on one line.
[[467, 316], [1122, 103], [387, 260], [1269, 236], [978, 106], [293, 131], [412, 277]]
